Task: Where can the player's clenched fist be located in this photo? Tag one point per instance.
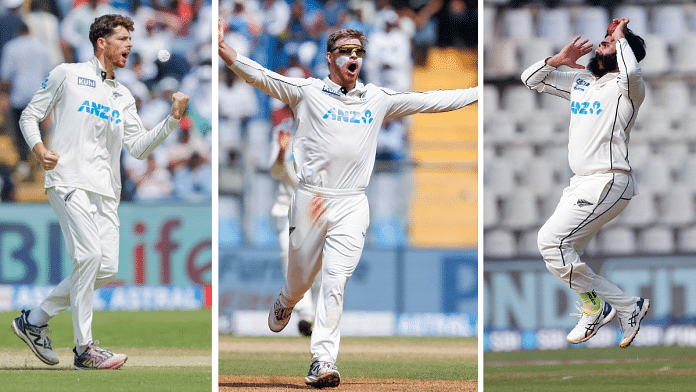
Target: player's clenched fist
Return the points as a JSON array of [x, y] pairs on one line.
[[179, 101]]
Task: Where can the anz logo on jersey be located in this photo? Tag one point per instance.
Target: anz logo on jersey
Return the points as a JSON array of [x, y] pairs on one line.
[[349, 116], [100, 111], [586, 107]]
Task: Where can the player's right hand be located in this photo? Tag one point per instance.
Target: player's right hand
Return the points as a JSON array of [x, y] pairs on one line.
[[570, 54], [49, 160]]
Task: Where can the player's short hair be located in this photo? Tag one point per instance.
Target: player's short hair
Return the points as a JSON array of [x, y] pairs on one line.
[[636, 43], [344, 33], [105, 25]]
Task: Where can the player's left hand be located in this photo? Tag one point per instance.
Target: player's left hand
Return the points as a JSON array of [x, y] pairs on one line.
[[620, 30], [179, 101]]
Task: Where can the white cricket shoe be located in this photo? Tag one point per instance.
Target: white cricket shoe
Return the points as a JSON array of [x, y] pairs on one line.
[[279, 316], [589, 324], [631, 324], [35, 337], [322, 375]]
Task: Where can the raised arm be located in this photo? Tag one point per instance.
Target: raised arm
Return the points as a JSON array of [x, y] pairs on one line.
[[139, 141], [630, 77], [543, 77], [404, 104], [287, 90]]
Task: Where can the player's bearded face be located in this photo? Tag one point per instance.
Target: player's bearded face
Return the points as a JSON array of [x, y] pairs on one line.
[[118, 47], [601, 64]]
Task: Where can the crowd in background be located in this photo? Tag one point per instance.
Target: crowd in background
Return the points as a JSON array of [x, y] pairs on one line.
[[37, 35]]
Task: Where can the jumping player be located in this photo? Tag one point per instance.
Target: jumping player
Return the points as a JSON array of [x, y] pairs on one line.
[[604, 104], [94, 116], [283, 170], [338, 119]]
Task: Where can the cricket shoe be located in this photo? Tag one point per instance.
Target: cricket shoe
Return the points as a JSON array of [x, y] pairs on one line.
[[589, 324], [305, 327], [631, 324], [322, 375], [279, 316], [35, 337], [98, 358]]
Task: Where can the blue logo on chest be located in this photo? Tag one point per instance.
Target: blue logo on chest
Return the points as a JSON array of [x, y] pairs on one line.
[[100, 111], [580, 85], [349, 116], [586, 107]]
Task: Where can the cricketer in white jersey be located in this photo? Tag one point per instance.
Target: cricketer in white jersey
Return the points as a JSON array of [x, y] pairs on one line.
[[94, 116], [604, 102], [338, 119]]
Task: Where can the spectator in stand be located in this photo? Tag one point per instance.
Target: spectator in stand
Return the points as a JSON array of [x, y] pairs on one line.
[[75, 28], [22, 78], [193, 183], [389, 64], [237, 104], [155, 184], [10, 21], [45, 26]]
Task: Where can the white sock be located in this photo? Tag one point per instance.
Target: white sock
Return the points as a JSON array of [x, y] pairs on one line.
[[38, 317]]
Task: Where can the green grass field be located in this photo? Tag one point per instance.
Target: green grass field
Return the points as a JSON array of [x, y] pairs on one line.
[[632, 369], [392, 357], [167, 351]]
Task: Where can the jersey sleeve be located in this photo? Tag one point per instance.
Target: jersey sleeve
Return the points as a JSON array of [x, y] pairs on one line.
[[546, 79], [41, 104], [404, 104], [139, 141], [288, 90], [630, 77]]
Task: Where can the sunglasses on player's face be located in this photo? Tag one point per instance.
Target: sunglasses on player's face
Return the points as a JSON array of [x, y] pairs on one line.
[[348, 50]]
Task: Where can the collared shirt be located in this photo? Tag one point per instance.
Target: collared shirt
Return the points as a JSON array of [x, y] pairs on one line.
[[603, 110], [93, 118], [336, 139]]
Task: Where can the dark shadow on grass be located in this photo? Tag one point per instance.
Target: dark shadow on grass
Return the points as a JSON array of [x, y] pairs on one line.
[[33, 368], [262, 385]]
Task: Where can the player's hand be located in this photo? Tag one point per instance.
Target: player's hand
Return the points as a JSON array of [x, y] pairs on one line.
[[47, 158], [228, 55], [570, 54], [179, 101], [284, 139], [317, 208], [621, 28]]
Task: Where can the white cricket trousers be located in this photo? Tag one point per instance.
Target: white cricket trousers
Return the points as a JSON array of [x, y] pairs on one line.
[[586, 205], [331, 244], [89, 223], [305, 308]]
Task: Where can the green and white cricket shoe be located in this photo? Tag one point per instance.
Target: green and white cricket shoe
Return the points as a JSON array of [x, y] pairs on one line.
[[589, 324], [279, 316], [323, 375], [36, 338], [631, 324]]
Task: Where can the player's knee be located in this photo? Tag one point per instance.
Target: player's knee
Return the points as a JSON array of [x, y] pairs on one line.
[[108, 272], [548, 246]]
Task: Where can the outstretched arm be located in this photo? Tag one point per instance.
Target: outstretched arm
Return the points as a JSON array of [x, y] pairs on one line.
[[405, 104]]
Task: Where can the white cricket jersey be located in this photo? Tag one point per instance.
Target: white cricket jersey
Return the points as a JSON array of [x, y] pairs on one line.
[[602, 110], [336, 139], [93, 118]]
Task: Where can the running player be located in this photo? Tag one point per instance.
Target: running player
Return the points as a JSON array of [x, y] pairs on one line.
[[338, 119], [283, 170], [94, 116], [604, 104]]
